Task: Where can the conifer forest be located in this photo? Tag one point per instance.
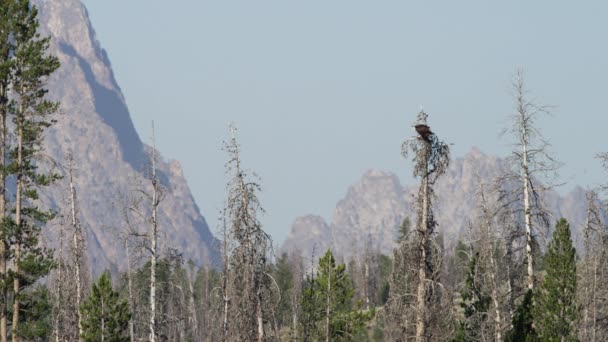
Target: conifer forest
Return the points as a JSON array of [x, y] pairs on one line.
[[517, 272]]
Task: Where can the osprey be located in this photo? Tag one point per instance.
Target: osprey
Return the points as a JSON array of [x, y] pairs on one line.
[[424, 131]]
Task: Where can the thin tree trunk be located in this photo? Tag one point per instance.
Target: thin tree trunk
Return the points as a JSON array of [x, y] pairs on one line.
[[192, 305], [3, 300], [59, 286], [294, 320], [154, 237], [594, 301], [260, 317], [493, 269], [424, 241], [76, 237], [103, 322], [17, 270], [527, 193], [130, 286], [225, 283], [366, 284], [510, 296], [328, 309]]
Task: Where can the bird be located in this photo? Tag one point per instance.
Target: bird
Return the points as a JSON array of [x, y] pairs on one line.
[[424, 131]]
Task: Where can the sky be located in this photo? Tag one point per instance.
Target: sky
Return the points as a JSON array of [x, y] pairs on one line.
[[322, 91]]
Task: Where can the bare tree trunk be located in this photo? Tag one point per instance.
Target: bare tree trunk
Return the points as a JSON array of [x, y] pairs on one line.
[[497, 318], [528, 215], [130, 288], [594, 300], [225, 282], [153, 248], [78, 249], [421, 293], [59, 286], [490, 236], [17, 258], [192, 307], [3, 274], [526, 180], [366, 283], [531, 159], [259, 317]]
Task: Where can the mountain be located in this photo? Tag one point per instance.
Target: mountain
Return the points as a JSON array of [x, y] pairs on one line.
[[374, 207], [95, 126]]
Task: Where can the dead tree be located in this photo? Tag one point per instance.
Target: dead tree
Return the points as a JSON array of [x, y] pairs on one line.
[[142, 219], [530, 163], [591, 268], [78, 245], [249, 286], [490, 247]]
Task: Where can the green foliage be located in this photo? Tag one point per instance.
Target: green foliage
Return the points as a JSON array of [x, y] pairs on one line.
[[555, 310], [35, 321], [332, 290], [25, 66], [523, 330], [105, 314], [283, 275], [385, 267], [404, 229], [475, 303]]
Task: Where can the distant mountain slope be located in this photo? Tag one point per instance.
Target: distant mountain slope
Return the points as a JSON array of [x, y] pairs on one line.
[[376, 205], [96, 127]]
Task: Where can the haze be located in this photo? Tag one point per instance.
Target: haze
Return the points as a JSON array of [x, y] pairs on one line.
[[323, 90]]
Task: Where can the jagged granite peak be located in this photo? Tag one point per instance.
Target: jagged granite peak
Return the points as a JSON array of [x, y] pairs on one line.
[[96, 127], [311, 231], [374, 207]]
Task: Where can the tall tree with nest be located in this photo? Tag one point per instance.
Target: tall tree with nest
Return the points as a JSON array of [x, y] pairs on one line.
[[431, 158]]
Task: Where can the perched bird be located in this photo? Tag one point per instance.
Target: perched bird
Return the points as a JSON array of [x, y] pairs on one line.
[[424, 131]]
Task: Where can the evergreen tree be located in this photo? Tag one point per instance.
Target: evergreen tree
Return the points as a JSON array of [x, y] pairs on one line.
[[327, 300], [475, 303], [523, 331], [105, 315], [404, 229], [36, 325], [284, 276], [31, 115], [555, 310]]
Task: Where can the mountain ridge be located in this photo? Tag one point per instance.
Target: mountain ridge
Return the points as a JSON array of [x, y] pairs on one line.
[[373, 208]]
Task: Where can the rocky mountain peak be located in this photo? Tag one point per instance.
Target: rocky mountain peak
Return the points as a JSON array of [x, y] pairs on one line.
[[96, 127], [374, 207]]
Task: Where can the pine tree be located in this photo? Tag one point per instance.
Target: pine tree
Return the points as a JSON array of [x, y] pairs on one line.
[[105, 315], [555, 310], [523, 330], [283, 275], [328, 300], [32, 111], [37, 324], [475, 303]]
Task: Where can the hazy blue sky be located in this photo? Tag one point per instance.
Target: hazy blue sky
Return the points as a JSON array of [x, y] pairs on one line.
[[323, 90]]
